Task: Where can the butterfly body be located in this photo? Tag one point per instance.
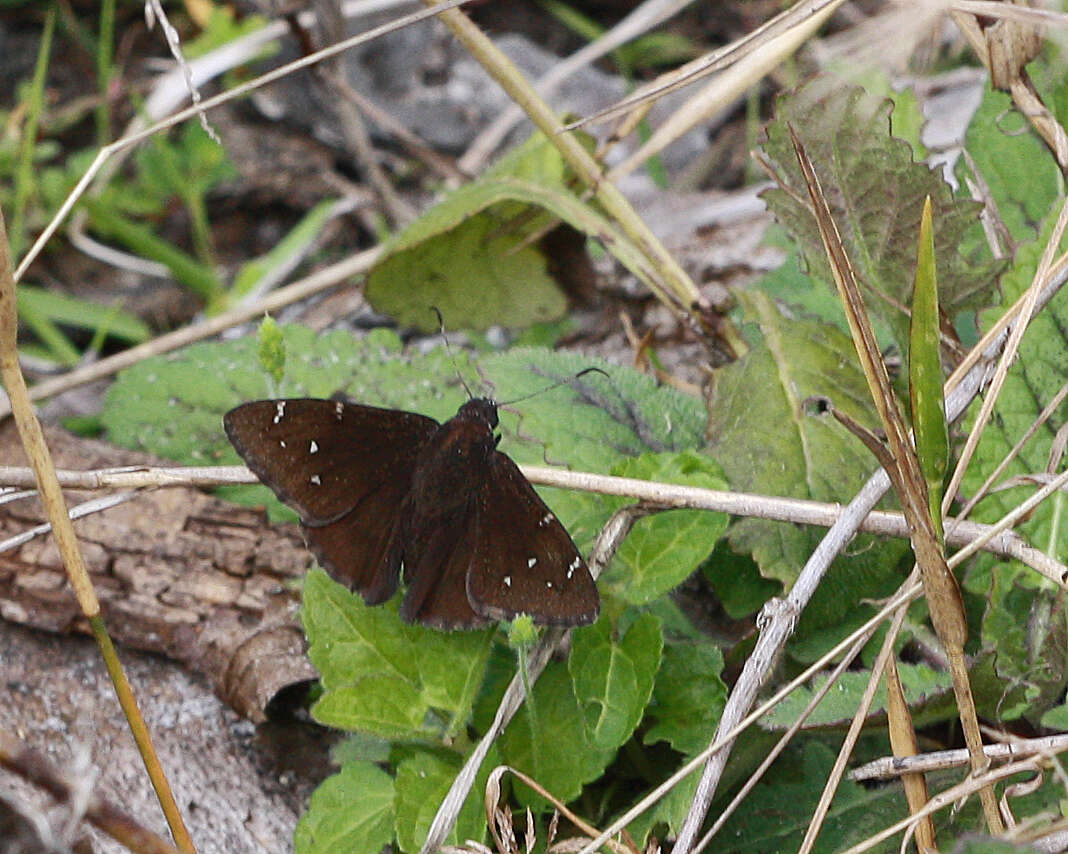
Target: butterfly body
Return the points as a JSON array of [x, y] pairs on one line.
[[380, 488]]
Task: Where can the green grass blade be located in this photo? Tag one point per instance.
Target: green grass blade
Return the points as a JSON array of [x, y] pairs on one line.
[[925, 370]]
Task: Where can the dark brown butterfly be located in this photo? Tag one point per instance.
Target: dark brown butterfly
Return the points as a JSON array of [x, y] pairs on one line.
[[376, 488]]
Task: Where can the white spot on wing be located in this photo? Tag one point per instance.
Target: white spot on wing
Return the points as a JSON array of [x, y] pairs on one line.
[[280, 411], [316, 480], [545, 520], [339, 408], [549, 584], [531, 561], [282, 442], [314, 447], [508, 581]]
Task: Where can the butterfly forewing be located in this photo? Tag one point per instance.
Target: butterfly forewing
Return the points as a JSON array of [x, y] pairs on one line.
[[322, 457], [346, 469], [524, 560]]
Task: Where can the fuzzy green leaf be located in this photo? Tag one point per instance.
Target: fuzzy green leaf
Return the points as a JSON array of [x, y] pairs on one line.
[[613, 678], [351, 811], [1018, 625], [385, 677], [1013, 162], [688, 697], [422, 782], [551, 744], [664, 549], [471, 254], [921, 684], [876, 191], [769, 440]]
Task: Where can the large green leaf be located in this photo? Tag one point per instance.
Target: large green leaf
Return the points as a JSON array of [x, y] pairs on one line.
[[472, 254], [1023, 622], [613, 677], [767, 436], [551, 744], [351, 812], [422, 782], [688, 698], [385, 677]]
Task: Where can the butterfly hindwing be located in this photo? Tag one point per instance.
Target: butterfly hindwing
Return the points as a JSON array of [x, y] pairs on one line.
[[524, 561], [437, 559]]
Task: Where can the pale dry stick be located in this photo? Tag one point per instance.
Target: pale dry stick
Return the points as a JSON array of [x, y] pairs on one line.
[[1028, 307], [711, 62], [154, 12], [33, 442], [819, 814], [108, 150], [944, 799], [726, 89], [798, 511], [642, 18], [1043, 417], [961, 387], [323, 279], [724, 740], [784, 741], [890, 767], [608, 541]]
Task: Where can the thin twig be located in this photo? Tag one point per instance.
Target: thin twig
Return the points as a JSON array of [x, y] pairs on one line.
[[797, 511]]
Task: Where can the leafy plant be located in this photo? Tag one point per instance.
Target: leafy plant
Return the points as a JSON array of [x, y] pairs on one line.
[[643, 687]]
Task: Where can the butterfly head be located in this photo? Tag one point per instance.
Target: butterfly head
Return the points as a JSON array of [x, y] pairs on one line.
[[481, 410]]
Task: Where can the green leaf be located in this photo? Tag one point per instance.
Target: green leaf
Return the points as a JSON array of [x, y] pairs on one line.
[[1014, 163], [925, 372], [351, 812], [551, 745], [688, 697], [471, 255], [664, 549], [770, 441], [613, 678], [876, 195], [422, 782], [385, 677]]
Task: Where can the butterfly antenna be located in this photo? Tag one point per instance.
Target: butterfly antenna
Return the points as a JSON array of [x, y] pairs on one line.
[[569, 380], [448, 349]]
